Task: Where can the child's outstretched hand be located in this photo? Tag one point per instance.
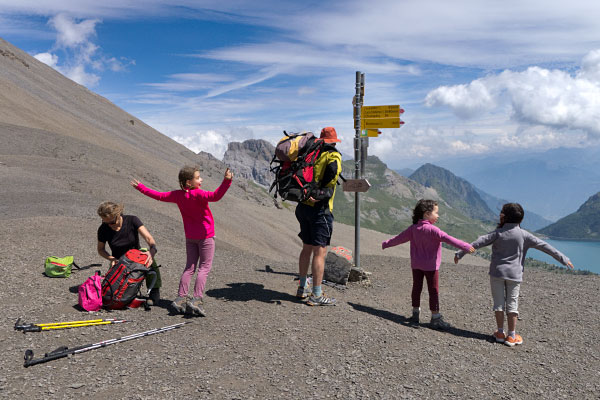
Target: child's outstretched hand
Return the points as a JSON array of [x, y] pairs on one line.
[[472, 250], [135, 183], [570, 265], [228, 174]]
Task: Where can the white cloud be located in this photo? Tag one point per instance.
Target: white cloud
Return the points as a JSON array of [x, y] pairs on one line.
[[191, 82], [536, 96], [209, 141], [79, 75], [305, 91], [71, 34], [74, 40], [294, 56], [465, 100], [48, 59], [213, 141]]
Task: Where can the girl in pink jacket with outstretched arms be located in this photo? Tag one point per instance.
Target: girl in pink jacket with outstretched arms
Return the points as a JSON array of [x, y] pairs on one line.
[[425, 257], [199, 227]]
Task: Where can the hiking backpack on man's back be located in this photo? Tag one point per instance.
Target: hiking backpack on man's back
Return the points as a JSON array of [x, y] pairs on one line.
[[293, 165]]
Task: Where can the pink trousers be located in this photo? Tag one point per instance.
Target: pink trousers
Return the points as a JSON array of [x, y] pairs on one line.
[[200, 255]]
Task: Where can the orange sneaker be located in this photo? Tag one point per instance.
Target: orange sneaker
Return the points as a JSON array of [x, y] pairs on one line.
[[512, 341], [500, 337]]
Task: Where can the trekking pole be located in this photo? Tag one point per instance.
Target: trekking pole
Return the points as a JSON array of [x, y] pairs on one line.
[[64, 351], [62, 325]]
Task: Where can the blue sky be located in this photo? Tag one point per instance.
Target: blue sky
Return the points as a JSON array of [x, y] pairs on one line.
[[475, 77]]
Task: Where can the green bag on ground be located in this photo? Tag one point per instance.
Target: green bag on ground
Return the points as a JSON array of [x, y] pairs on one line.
[[59, 267]]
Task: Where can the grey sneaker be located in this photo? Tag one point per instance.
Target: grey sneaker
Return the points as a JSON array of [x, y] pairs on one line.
[[439, 323], [194, 307], [322, 300], [178, 305], [415, 317], [303, 292]]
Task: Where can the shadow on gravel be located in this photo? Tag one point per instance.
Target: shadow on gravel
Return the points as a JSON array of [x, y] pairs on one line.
[[270, 270], [250, 291], [399, 319]]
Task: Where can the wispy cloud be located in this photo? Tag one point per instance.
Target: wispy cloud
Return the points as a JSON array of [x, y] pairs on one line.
[[295, 56], [191, 82], [75, 39]]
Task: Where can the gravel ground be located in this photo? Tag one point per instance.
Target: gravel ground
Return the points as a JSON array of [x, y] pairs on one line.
[[258, 342]]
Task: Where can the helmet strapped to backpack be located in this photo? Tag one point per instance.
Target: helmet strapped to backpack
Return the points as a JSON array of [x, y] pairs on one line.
[[293, 164]]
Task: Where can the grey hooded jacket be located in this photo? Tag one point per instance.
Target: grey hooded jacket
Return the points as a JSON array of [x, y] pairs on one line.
[[509, 249]]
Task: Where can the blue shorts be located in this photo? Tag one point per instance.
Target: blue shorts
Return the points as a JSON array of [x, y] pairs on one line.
[[316, 225]]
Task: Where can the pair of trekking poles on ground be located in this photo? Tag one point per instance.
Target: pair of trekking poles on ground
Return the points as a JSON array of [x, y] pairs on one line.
[[64, 351]]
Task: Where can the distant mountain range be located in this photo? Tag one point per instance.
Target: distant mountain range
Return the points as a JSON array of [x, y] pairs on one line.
[[551, 183], [386, 207], [471, 200], [459, 193], [584, 224]]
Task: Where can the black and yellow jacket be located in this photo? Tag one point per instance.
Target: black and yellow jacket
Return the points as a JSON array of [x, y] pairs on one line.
[[327, 170]]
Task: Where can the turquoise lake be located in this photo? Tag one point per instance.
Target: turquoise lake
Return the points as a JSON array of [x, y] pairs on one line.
[[583, 255]]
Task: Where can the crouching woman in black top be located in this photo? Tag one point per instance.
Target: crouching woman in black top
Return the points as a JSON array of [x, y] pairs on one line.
[[121, 233]]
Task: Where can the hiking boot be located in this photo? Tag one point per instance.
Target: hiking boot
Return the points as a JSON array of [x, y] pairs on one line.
[[322, 300], [439, 323], [415, 317], [499, 337], [154, 297], [303, 292], [194, 307], [178, 305], [513, 340]]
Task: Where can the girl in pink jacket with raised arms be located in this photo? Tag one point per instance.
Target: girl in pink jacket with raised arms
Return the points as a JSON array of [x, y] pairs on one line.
[[199, 227], [426, 256]]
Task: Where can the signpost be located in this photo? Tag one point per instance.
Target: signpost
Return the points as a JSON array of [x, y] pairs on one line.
[[367, 120]]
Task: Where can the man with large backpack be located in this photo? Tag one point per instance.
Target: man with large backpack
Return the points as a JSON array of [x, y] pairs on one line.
[[316, 220]]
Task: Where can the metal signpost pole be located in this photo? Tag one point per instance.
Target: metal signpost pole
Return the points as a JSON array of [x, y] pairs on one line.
[[357, 147]]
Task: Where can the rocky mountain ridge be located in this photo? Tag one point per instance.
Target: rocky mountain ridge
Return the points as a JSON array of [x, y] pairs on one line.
[[583, 224], [250, 160]]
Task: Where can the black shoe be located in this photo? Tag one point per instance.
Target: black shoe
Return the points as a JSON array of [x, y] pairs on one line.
[[154, 297], [439, 323], [415, 318]]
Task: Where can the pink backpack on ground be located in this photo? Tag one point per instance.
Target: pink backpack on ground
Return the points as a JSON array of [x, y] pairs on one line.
[[90, 293]]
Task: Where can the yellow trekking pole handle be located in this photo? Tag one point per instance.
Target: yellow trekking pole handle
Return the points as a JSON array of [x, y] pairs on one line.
[[59, 325], [72, 322], [45, 328]]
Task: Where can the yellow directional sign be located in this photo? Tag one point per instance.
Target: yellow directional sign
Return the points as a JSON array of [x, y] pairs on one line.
[[373, 132], [377, 109], [380, 123], [380, 114]]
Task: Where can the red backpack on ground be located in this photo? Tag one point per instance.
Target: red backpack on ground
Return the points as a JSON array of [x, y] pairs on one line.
[[123, 281], [294, 159]]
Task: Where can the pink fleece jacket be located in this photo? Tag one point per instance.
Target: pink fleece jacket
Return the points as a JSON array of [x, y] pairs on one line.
[[425, 244], [198, 222]]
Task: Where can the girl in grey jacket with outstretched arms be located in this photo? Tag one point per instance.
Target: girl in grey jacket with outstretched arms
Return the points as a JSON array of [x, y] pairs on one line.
[[509, 248]]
